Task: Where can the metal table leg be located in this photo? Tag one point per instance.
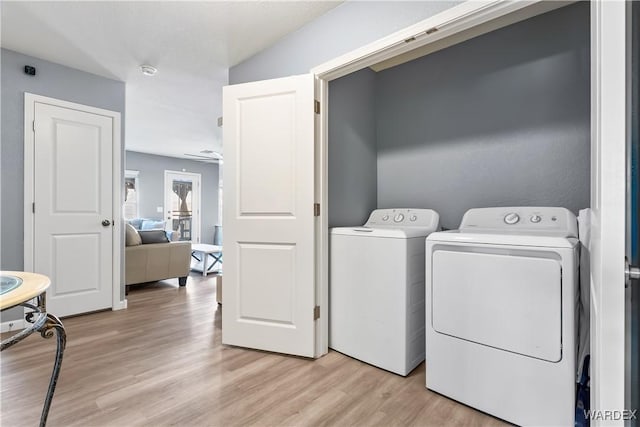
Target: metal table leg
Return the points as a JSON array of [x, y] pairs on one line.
[[53, 323]]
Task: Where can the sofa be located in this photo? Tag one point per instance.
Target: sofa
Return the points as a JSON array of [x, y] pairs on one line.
[[150, 256]]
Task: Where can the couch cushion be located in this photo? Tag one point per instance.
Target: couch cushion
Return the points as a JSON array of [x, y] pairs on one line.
[[153, 236], [150, 224], [132, 236]]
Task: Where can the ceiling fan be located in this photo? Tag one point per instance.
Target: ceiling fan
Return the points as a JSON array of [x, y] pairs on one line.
[[207, 155]]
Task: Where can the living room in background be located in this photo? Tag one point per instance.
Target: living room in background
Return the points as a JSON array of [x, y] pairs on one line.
[[131, 190], [182, 204]]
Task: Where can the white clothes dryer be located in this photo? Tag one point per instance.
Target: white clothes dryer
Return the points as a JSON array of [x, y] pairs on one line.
[[500, 325], [376, 288]]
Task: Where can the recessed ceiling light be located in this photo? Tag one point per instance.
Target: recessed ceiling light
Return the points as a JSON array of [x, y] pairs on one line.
[[148, 70]]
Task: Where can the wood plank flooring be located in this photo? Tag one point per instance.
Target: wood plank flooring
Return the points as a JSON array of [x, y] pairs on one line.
[[161, 363]]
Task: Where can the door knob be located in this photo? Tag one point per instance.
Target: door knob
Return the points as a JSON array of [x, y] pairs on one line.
[[106, 222], [630, 272]]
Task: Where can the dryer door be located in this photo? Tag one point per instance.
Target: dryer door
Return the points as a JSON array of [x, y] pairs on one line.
[[508, 302]]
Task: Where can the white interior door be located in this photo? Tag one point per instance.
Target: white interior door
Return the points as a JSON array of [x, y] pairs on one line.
[[608, 179], [73, 211], [269, 295], [182, 204]]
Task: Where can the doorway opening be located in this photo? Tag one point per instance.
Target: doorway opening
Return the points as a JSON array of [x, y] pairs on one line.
[[182, 204]]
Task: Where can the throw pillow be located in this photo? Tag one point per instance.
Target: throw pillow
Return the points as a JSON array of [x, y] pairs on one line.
[[153, 236], [136, 222], [132, 236], [149, 224]]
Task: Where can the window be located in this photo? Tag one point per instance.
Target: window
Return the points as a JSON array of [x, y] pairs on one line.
[[130, 194]]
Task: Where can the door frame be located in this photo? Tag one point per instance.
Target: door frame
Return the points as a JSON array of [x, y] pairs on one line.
[[452, 26], [608, 202], [29, 191], [196, 195]]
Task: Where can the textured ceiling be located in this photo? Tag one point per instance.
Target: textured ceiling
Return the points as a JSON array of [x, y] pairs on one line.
[[192, 44]]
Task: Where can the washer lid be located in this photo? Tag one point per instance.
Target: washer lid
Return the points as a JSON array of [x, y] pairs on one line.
[[504, 238], [382, 232]]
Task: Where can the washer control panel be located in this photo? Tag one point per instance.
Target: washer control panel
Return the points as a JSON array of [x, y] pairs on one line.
[[523, 219], [401, 217]]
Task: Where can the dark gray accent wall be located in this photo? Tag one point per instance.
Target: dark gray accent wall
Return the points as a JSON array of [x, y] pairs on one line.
[[55, 81], [343, 29], [151, 183], [499, 120], [352, 149]]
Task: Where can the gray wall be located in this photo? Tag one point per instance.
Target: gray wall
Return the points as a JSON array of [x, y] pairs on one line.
[[342, 29], [51, 80], [352, 149], [352, 167], [151, 183], [502, 119]]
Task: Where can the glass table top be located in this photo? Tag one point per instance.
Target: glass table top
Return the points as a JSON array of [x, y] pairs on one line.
[[9, 283]]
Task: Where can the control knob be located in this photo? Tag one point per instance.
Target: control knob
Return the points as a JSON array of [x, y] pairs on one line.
[[535, 218], [511, 218], [398, 218]]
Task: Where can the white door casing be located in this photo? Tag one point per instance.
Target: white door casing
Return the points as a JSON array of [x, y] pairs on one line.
[[269, 216], [194, 178], [70, 164], [608, 197]]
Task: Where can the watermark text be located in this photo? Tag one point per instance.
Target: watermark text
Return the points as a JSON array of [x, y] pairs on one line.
[[605, 415]]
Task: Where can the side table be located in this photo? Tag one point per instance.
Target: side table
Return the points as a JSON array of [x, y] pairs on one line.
[[17, 288]]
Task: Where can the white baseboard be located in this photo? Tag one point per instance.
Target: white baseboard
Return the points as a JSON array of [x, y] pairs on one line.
[[120, 305], [12, 325]]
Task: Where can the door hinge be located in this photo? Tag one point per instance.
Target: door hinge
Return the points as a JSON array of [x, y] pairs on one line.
[[316, 106], [316, 209], [316, 312], [219, 122], [33, 207], [33, 124]]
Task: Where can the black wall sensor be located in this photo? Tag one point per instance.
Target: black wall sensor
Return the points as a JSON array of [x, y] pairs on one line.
[[30, 70]]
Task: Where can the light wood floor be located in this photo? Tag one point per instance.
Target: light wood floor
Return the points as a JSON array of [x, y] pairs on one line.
[[161, 362]]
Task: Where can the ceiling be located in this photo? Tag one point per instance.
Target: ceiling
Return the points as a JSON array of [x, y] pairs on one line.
[[192, 44]]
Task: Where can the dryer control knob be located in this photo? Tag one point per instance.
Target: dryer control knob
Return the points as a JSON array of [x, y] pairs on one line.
[[413, 218], [386, 217], [535, 218], [511, 218], [398, 218]]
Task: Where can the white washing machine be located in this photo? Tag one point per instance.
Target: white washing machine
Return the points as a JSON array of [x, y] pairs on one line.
[[376, 288], [501, 331]]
